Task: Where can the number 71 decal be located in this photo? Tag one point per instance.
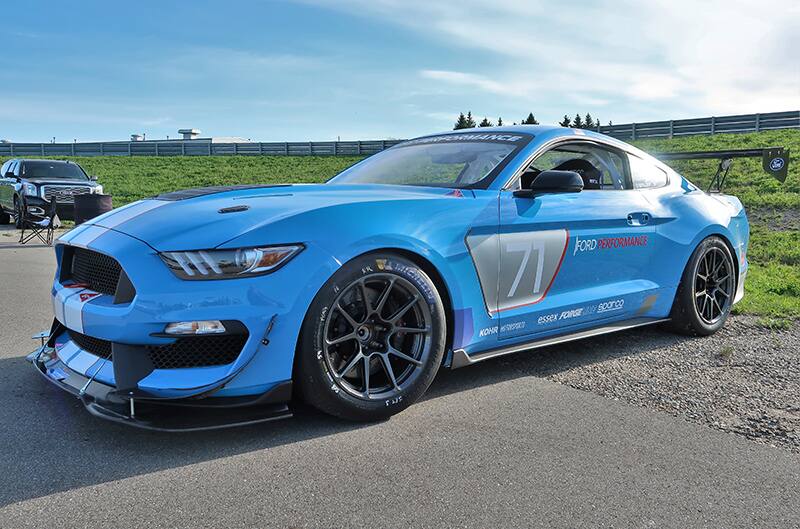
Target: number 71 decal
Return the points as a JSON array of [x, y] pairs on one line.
[[517, 269]]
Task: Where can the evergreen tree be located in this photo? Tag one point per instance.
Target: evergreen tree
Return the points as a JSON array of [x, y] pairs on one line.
[[470, 121], [577, 122], [589, 124], [461, 123], [566, 122], [485, 123], [530, 120], [499, 122]]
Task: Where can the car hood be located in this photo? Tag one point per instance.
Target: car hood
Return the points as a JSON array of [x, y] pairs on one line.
[[181, 221], [59, 181]]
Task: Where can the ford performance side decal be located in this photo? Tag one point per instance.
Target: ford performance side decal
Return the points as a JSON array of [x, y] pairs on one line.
[[517, 269]]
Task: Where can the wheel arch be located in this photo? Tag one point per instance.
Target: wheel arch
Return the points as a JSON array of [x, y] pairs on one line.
[[430, 269]]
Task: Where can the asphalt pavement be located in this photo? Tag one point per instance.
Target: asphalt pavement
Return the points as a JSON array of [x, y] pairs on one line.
[[489, 446]]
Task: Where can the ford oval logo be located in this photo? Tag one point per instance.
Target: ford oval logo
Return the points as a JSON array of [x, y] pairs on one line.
[[776, 164]]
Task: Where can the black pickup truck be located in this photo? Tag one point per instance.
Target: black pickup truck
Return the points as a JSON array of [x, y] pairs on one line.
[[33, 183]]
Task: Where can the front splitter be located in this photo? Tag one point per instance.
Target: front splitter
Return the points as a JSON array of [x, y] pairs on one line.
[[164, 415]]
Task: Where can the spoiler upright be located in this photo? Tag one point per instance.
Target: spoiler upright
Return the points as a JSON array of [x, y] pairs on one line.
[[774, 160]]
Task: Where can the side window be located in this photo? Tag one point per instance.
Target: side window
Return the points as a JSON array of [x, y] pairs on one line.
[[600, 168], [15, 168], [645, 175], [4, 169]]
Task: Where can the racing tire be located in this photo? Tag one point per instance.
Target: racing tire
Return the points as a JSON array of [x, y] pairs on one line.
[[705, 295], [372, 340]]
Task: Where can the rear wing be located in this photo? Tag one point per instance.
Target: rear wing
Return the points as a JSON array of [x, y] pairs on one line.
[[774, 160]]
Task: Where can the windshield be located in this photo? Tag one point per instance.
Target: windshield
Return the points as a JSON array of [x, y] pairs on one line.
[[453, 160], [52, 170]]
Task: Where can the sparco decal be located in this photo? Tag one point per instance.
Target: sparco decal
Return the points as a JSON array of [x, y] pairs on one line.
[[608, 243]]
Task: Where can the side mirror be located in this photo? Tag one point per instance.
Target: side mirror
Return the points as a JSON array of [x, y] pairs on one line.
[[549, 182], [93, 177]]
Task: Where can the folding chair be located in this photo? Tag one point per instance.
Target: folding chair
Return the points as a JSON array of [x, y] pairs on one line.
[[39, 226]]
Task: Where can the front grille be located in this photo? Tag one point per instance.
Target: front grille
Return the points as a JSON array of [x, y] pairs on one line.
[[197, 351], [64, 194], [97, 271], [90, 344]]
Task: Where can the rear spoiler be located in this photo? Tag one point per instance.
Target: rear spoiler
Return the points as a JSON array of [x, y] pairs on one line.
[[774, 160]]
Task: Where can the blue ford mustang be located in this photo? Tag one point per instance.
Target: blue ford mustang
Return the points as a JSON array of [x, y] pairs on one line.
[[216, 306]]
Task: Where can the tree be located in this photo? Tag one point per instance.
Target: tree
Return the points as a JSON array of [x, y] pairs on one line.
[[499, 122], [589, 124], [470, 121], [485, 123], [530, 120], [566, 122], [461, 123], [577, 122]]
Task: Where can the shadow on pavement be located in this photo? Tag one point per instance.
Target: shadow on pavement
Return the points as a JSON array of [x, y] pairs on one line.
[[51, 444]]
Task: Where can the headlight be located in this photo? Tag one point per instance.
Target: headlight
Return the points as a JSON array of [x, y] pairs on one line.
[[227, 264], [30, 190], [97, 190]]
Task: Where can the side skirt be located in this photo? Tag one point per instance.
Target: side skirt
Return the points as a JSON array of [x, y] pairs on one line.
[[461, 358]]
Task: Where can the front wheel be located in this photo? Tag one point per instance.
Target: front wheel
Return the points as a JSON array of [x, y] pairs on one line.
[[705, 295], [372, 340]]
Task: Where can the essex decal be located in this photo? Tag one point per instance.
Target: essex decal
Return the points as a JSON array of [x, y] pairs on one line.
[[517, 269]]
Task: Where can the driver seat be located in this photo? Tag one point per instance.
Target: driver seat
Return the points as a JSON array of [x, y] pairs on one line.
[[591, 176]]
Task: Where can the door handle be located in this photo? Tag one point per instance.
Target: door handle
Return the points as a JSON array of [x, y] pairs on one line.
[[641, 218]]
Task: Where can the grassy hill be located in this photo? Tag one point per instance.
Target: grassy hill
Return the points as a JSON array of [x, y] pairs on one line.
[[774, 209]]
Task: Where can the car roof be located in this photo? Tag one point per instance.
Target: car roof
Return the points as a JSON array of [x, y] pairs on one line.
[[42, 160]]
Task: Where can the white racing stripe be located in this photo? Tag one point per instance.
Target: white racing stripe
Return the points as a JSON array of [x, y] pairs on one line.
[[125, 214], [68, 306], [82, 361], [67, 351], [87, 236]]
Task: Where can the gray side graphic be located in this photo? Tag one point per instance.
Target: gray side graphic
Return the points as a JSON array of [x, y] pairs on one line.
[[516, 269]]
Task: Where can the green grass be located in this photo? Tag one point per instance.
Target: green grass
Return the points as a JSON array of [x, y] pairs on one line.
[[746, 178], [773, 284]]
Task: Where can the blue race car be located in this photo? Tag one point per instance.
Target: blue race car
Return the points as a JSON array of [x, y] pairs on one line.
[[216, 306]]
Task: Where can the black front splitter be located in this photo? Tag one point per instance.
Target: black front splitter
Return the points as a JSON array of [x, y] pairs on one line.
[[164, 415]]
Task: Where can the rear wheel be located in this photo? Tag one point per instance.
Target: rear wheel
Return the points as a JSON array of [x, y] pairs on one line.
[[373, 339], [705, 295]]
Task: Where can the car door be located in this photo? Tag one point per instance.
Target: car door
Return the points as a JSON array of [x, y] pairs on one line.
[[574, 260], [6, 186]]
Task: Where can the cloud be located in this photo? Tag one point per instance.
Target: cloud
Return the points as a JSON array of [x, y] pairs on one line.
[[659, 57]]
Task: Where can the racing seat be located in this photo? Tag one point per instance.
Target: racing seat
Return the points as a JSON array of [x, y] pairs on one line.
[[592, 177], [39, 226]]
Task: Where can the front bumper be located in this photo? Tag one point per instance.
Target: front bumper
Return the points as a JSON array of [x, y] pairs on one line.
[[160, 414], [38, 206]]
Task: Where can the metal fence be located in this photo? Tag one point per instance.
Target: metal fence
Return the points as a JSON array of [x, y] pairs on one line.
[[628, 131], [197, 148], [712, 125]]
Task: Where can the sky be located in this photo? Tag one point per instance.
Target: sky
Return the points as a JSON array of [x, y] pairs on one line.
[[318, 70]]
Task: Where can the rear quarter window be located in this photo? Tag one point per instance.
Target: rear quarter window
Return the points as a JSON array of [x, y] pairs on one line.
[[645, 175]]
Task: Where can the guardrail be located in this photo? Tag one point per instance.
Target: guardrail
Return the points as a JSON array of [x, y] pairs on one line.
[[627, 131], [197, 148], [711, 125]]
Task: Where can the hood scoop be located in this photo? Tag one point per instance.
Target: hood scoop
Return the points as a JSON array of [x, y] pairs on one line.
[[233, 209]]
